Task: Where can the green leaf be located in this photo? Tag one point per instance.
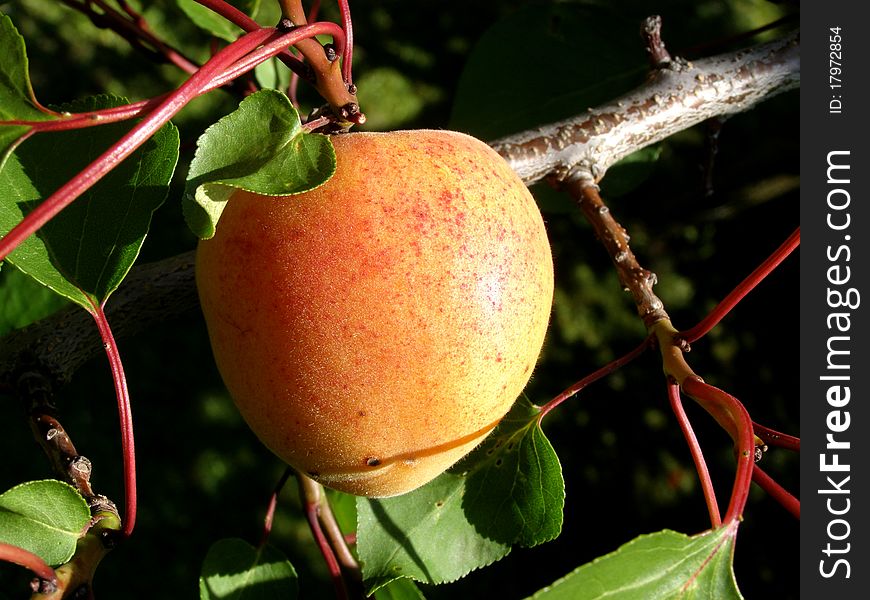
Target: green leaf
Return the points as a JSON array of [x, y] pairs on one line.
[[664, 565], [233, 569], [508, 491], [514, 492], [400, 589], [86, 251], [262, 148], [17, 101], [273, 74], [424, 535], [213, 23], [540, 84], [45, 517], [23, 301], [16, 94], [343, 508]]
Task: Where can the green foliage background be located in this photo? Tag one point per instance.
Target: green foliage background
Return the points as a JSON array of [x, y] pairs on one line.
[[203, 475]]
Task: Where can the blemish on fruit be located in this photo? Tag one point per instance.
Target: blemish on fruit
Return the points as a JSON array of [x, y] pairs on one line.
[[373, 462]]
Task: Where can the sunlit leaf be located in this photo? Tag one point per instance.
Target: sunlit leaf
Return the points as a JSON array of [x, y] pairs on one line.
[[208, 20], [514, 490], [233, 569], [16, 94], [424, 535], [45, 517], [666, 564], [86, 251], [261, 147], [508, 491]]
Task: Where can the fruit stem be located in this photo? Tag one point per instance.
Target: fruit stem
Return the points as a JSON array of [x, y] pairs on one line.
[[329, 77], [312, 496]]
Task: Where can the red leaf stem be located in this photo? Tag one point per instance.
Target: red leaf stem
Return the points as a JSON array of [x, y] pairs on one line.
[[347, 55], [28, 560], [239, 18], [125, 417], [125, 146], [602, 372], [777, 492], [136, 109], [231, 14], [135, 29], [745, 286], [232, 58], [730, 413], [697, 454], [776, 438]]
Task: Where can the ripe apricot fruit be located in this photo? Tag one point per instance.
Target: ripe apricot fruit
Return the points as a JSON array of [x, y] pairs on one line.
[[374, 330]]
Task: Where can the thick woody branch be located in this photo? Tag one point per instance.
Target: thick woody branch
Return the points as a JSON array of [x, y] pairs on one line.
[[677, 95], [62, 343]]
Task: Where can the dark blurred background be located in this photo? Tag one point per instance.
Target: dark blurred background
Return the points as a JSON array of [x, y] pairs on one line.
[[488, 68]]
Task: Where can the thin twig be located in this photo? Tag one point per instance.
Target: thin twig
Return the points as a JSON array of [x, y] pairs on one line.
[[134, 30], [635, 279], [651, 32]]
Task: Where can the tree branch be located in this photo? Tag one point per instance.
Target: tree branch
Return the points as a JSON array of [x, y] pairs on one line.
[[62, 343], [677, 95]]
